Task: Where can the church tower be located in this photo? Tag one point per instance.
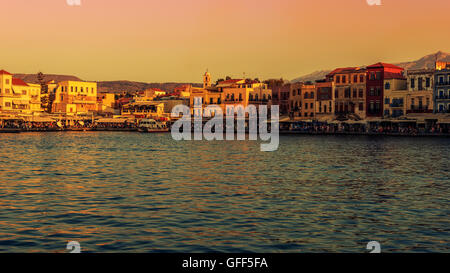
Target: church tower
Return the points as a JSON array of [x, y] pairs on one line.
[[206, 80]]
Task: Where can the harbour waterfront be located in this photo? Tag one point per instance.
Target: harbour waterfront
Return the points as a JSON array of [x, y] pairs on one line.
[[131, 192]]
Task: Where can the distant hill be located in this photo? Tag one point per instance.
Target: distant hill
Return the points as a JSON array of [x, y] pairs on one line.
[[424, 62], [32, 78], [106, 86], [130, 86]]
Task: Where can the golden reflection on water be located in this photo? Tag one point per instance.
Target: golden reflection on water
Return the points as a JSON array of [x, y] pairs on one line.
[[129, 192]]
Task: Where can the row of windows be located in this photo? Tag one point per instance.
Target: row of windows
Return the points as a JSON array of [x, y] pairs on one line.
[[72, 89], [345, 79], [420, 83], [348, 93]]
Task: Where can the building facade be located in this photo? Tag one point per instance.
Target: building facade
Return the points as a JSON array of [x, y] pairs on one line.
[[325, 99], [295, 99], [75, 97], [307, 110], [375, 76], [442, 88], [419, 98], [394, 95], [350, 90], [17, 96]]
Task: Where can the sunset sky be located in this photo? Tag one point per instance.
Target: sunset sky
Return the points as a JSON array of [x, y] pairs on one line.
[[177, 40]]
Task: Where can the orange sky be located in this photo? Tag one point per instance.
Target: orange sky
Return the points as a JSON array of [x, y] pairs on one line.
[[176, 40]]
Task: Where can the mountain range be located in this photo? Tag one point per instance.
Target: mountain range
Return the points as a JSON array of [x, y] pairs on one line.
[[424, 62]]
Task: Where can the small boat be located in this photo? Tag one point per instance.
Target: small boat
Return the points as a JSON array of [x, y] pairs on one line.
[[10, 130], [152, 126]]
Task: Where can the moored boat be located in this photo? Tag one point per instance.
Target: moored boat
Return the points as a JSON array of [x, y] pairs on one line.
[[152, 126]]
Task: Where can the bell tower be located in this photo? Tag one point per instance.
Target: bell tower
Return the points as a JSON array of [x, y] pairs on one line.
[[206, 80]]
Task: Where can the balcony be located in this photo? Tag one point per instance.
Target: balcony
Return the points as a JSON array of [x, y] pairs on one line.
[[444, 83], [396, 105], [443, 97]]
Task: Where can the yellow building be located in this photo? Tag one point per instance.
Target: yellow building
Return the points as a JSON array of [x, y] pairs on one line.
[[6, 92], [75, 97], [231, 92], [17, 96], [420, 91], [106, 102], [35, 97], [395, 93]]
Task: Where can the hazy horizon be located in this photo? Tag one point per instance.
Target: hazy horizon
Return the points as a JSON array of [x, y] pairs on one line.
[[177, 40]]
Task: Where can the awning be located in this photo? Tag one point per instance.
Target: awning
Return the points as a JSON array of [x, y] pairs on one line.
[[20, 102], [111, 120], [42, 119]]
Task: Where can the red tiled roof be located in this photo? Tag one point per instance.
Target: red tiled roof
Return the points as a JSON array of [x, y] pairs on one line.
[[380, 64], [16, 81], [3, 72], [390, 76]]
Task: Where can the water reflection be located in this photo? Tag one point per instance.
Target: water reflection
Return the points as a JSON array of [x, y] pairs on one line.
[[147, 193]]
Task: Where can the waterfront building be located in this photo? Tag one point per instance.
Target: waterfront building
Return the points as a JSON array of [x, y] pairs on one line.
[[17, 96], [244, 92], [350, 91], [307, 110], [231, 92], [325, 99], [295, 99], [419, 98], [394, 95], [375, 76], [442, 87], [34, 91], [280, 95], [75, 97], [106, 103], [143, 109]]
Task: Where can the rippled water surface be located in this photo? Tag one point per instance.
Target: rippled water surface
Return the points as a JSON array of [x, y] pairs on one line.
[[131, 192]]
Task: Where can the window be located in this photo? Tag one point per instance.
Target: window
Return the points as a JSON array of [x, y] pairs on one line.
[[7, 104], [355, 78], [211, 100], [336, 93], [338, 79], [24, 92], [387, 86], [427, 82], [347, 93], [361, 106], [7, 81], [378, 75], [344, 79], [354, 92], [240, 97], [420, 83], [361, 94], [311, 95], [361, 78], [311, 105], [386, 101]]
